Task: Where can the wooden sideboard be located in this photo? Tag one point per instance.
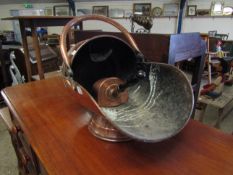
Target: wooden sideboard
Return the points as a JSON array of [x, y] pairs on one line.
[[50, 135], [155, 47]]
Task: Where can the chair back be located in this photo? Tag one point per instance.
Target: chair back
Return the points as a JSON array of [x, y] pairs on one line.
[[189, 46], [212, 33]]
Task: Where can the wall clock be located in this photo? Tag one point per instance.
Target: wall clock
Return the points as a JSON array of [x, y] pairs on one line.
[[156, 11]]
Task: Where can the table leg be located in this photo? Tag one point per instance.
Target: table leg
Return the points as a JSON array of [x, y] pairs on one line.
[[25, 49], [220, 117], [36, 46], [209, 69], [203, 106], [3, 66]]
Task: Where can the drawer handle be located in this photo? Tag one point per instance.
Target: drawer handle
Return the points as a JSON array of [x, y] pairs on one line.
[[15, 129], [24, 157]]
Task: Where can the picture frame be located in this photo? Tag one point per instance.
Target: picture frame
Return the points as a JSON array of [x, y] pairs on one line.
[[81, 12], [116, 13], [48, 11], [61, 10], [142, 9], [217, 8], [191, 10], [170, 9], [100, 10]]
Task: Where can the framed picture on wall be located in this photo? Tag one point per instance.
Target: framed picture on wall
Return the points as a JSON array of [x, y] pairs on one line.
[[217, 8], [170, 9], [116, 13], [100, 10], [191, 10], [48, 11], [61, 10], [81, 12], [141, 8]]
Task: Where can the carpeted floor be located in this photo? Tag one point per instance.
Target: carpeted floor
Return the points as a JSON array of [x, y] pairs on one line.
[[8, 161]]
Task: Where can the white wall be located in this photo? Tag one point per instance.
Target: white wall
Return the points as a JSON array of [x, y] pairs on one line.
[[5, 12], [161, 25], [203, 25]]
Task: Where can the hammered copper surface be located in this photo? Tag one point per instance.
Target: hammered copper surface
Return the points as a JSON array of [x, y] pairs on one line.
[[108, 94], [102, 128], [158, 107], [160, 98]]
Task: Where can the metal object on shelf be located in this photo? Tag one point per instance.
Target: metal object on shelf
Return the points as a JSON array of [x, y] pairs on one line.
[[129, 98], [145, 21]]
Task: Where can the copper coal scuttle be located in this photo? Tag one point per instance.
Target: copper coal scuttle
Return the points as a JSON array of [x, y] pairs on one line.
[[127, 97]]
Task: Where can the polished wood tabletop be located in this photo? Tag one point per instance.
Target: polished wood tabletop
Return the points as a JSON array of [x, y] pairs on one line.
[[41, 21], [55, 124]]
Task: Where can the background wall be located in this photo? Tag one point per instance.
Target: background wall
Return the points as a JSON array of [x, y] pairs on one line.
[[161, 25], [203, 25]]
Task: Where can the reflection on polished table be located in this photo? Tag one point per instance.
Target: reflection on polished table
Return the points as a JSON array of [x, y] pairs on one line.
[[33, 22], [52, 125]]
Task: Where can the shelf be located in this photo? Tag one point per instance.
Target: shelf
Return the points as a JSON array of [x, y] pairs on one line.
[[151, 17], [231, 16], [165, 17]]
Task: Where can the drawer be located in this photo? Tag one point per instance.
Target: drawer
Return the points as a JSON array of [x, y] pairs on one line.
[[26, 157], [27, 148], [26, 163]]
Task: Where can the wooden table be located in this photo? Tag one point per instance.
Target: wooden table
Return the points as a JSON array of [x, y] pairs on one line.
[[220, 103], [33, 22], [55, 125]]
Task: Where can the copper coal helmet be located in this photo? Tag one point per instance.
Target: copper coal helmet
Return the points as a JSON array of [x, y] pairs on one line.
[[127, 97]]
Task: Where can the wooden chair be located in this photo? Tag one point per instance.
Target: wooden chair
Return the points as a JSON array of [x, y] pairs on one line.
[[189, 46], [212, 33], [213, 56], [221, 36]]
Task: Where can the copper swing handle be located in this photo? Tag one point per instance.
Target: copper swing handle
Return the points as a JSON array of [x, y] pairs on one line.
[[77, 20]]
